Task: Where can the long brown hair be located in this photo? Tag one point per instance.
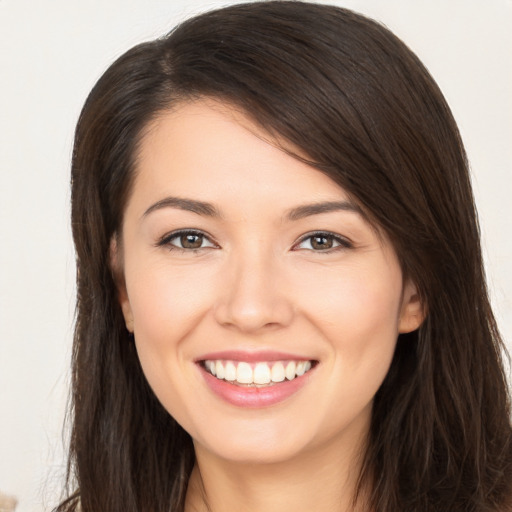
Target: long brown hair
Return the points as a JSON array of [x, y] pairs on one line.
[[354, 99]]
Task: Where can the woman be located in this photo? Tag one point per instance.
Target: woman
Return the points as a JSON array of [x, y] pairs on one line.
[[281, 301]]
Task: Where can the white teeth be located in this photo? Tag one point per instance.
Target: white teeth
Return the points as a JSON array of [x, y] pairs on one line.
[[230, 371], [290, 370], [244, 373], [263, 372], [278, 372], [219, 370], [210, 366]]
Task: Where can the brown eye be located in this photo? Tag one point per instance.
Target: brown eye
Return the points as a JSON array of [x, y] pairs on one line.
[[324, 242], [321, 242], [186, 241], [191, 241]]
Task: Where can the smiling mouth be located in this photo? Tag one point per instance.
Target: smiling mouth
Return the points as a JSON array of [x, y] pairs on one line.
[[260, 374]]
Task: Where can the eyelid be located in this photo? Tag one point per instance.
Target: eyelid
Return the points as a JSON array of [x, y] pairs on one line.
[[165, 240], [343, 242]]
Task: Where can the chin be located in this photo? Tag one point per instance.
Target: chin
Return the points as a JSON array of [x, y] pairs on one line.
[[257, 441]]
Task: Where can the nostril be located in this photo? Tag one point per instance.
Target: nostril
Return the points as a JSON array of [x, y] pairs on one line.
[[252, 314]]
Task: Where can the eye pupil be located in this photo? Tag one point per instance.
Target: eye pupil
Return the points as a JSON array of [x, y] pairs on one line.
[[191, 241], [321, 242]]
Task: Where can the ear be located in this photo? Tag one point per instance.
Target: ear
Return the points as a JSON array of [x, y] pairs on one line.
[[116, 265], [413, 310]]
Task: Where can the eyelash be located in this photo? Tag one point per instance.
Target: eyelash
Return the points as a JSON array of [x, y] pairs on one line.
[[342, 242], [166, 240]]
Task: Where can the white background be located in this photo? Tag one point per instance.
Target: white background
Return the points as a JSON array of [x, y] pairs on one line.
[[51, 54]]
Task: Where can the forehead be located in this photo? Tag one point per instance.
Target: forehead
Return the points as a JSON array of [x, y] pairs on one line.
[[216, 152]]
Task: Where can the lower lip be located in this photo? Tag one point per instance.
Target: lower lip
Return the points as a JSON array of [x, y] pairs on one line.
[[254, 397]]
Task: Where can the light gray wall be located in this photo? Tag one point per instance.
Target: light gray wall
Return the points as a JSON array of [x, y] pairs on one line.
[[51, 53]]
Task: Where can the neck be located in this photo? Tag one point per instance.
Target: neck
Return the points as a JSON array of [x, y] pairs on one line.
[[321, 480]]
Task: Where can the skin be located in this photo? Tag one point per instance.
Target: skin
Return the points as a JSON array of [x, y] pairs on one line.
[[257, 283]]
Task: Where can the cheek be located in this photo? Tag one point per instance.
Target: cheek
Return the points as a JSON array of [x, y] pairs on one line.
[[166, 301], [356, 310], [353, 299], [167, 305], [356, 315]]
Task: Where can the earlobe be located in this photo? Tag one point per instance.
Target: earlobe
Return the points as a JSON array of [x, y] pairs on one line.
[[128, 315], [116, 266], [413, 309]]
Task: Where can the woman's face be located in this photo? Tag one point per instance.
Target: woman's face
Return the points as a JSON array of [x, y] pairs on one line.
[[241, 261]]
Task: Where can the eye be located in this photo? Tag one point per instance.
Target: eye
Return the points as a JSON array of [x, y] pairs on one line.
[[323, 242], [186, 240]]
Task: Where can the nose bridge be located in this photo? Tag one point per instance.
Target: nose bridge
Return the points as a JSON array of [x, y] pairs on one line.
[[253, 298]]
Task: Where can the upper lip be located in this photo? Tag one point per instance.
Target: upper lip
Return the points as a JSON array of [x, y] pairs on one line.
[[252, 356]]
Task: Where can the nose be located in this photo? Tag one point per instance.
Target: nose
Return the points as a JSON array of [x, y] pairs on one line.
[[254, 297]]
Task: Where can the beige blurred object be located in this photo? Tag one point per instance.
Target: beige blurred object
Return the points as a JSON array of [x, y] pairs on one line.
[[7, 503]]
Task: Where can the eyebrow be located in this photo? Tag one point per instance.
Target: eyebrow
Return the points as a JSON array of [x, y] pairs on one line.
[[209, 210], [190, 205], [325, 207]]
